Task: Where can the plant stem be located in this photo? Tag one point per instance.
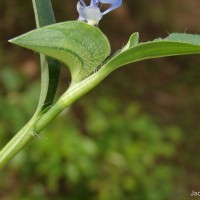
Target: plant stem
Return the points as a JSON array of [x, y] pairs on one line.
[[71, 95], [17, 143], [36, 124], [43, 16], [28, 132]]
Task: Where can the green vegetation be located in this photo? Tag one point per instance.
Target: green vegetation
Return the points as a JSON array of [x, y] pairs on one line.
[[136, 136], [113, 154]]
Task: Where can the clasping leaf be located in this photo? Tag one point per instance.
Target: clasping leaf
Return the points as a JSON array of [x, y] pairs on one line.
[[174, 44], [80, 46]]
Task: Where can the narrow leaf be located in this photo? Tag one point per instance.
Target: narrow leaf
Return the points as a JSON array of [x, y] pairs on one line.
[[50, 68], [175, 44], [185, 38], [133, 41]]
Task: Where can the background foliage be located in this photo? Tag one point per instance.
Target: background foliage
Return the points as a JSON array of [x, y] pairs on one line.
[[135, 136]]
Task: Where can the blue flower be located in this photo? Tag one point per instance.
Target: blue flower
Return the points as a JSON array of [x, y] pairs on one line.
[[92, 13]]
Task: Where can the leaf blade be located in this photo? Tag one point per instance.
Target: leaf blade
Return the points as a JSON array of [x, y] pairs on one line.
[[170, 46], [80, 46], [50, 68]]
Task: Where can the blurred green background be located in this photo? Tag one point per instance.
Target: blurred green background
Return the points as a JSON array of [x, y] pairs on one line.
[[134, 137]]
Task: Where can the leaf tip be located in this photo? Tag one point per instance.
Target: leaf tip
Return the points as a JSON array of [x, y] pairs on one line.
[[133, 41], [13, 41]]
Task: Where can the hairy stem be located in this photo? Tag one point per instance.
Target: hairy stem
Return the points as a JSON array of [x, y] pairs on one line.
[[44, 16], [71, 95]]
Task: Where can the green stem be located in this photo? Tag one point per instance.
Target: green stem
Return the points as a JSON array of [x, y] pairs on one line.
[[40, 121], [24, 136], [44, 16], [71, 95]]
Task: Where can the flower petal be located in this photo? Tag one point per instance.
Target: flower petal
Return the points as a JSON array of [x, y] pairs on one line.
[[114, 4], [94, 2], [109, 1], [83, 3], [91, 14], [80, 11]]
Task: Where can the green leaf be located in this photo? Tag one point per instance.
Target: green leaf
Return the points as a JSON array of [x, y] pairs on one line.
[[185, 38], [44, 16], [54, 74], [175, 44], [80, 46], [133, 41], [50, 68]]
